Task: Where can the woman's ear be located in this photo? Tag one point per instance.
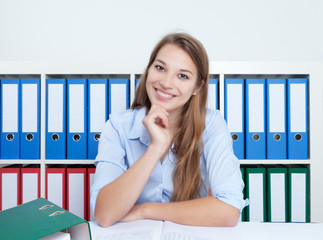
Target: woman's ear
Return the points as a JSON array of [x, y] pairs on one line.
[[198, 88]]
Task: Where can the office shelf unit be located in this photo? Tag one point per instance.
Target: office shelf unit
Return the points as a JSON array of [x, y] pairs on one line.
[[313, 71]]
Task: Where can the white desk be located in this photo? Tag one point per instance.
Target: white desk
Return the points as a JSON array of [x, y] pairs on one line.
[[158, 230]]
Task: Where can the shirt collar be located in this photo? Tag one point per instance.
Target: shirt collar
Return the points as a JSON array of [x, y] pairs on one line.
[[138, 129]]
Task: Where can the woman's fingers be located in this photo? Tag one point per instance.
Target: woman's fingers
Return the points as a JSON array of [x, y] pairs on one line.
[[156, 123]]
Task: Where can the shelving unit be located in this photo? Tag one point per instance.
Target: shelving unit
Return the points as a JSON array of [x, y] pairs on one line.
[[221, 69]]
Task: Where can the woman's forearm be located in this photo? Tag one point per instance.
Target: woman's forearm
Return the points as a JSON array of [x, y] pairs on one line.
[[115, 199], [207, 211]]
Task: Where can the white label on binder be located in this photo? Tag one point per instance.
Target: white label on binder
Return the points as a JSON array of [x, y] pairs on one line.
[[76, 108], [97, 107], [10, 107], [55, 107], [211, 97], [297, 108], [9, 190], [277, 107], [118, 97], [256, 197], [234, 107], [29, 108], [277, 198], [55, 188], [30, 187], [256, 107], [91, 183], [298, 208], [76, 194]]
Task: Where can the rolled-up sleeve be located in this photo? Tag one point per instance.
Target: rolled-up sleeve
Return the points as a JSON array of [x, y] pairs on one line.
[[223, 167], [110, 161]]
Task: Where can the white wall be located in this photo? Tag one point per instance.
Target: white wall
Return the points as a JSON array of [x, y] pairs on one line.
[[126, 30]]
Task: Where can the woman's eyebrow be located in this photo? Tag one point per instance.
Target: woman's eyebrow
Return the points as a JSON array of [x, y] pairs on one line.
[[182, 70], [162, 62]]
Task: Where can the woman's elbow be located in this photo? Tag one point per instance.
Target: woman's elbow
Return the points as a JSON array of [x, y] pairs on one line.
[[232, 218], [104, 220]]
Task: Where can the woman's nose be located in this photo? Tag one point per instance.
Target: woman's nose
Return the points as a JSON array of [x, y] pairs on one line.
[[167, 81]]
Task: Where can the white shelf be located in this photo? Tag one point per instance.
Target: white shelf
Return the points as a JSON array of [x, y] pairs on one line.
[[131, 69], [273, 162]]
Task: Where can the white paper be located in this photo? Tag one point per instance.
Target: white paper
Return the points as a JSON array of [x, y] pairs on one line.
[[173, 231], [76, 108], [136, 230], [278, 198], [29, 107], [118, 97], [277, 107], [57, 236], [256, 107], [55, 108], [10, 108], [76, 194], [211, 97], [297, 108], [298, 208], [30, 187], [256, 197], [97, 107], [281, 231], [234, 107], [9, 190], [55, 188]]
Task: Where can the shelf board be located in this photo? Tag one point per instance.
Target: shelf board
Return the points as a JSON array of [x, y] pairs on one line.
[[20, 161], [275, 161], [68, 161]]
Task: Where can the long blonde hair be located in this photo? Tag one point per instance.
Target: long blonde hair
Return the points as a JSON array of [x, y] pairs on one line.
[[188, 140]]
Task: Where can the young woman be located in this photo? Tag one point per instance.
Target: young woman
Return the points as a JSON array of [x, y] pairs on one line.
[[158, 159]]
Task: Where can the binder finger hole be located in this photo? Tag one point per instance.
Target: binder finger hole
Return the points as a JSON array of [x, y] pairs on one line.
[[29, 137], [276, 137], [256, 137], [76, 137], [234, 137], [55, 137], [298, 137], [56, 213], [10, 137], [97, 137]]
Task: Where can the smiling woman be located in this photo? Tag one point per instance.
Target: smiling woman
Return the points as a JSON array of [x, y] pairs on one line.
[[158, 159]]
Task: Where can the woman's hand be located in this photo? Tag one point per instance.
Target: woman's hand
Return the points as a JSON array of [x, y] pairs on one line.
[[156, 123]]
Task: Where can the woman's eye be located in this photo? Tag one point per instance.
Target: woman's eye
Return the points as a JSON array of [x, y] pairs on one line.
[[160, 68], [183, 76]]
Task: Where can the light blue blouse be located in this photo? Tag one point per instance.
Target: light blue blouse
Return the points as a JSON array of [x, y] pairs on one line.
[[124, 140]]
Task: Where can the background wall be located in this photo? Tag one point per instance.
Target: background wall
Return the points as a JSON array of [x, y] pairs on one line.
[[127, 30]]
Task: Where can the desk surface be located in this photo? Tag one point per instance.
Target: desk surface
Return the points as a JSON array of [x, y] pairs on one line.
[[158, 230]]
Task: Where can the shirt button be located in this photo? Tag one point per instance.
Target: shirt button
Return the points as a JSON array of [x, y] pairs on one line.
[[160, 187]]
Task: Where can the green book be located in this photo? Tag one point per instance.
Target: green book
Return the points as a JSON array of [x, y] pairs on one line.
[[298, 195], [40, 218], [277, 195], [256, 192]]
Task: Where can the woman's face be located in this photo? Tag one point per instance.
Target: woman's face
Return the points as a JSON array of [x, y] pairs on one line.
[[171, 79]]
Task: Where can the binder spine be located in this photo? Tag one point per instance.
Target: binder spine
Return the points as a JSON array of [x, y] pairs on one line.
[[30, 119], [97, 113], [255, 119], [77, 119], [118, 95], [56, 119], [276, 123], [297, 95], [234, 113]]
